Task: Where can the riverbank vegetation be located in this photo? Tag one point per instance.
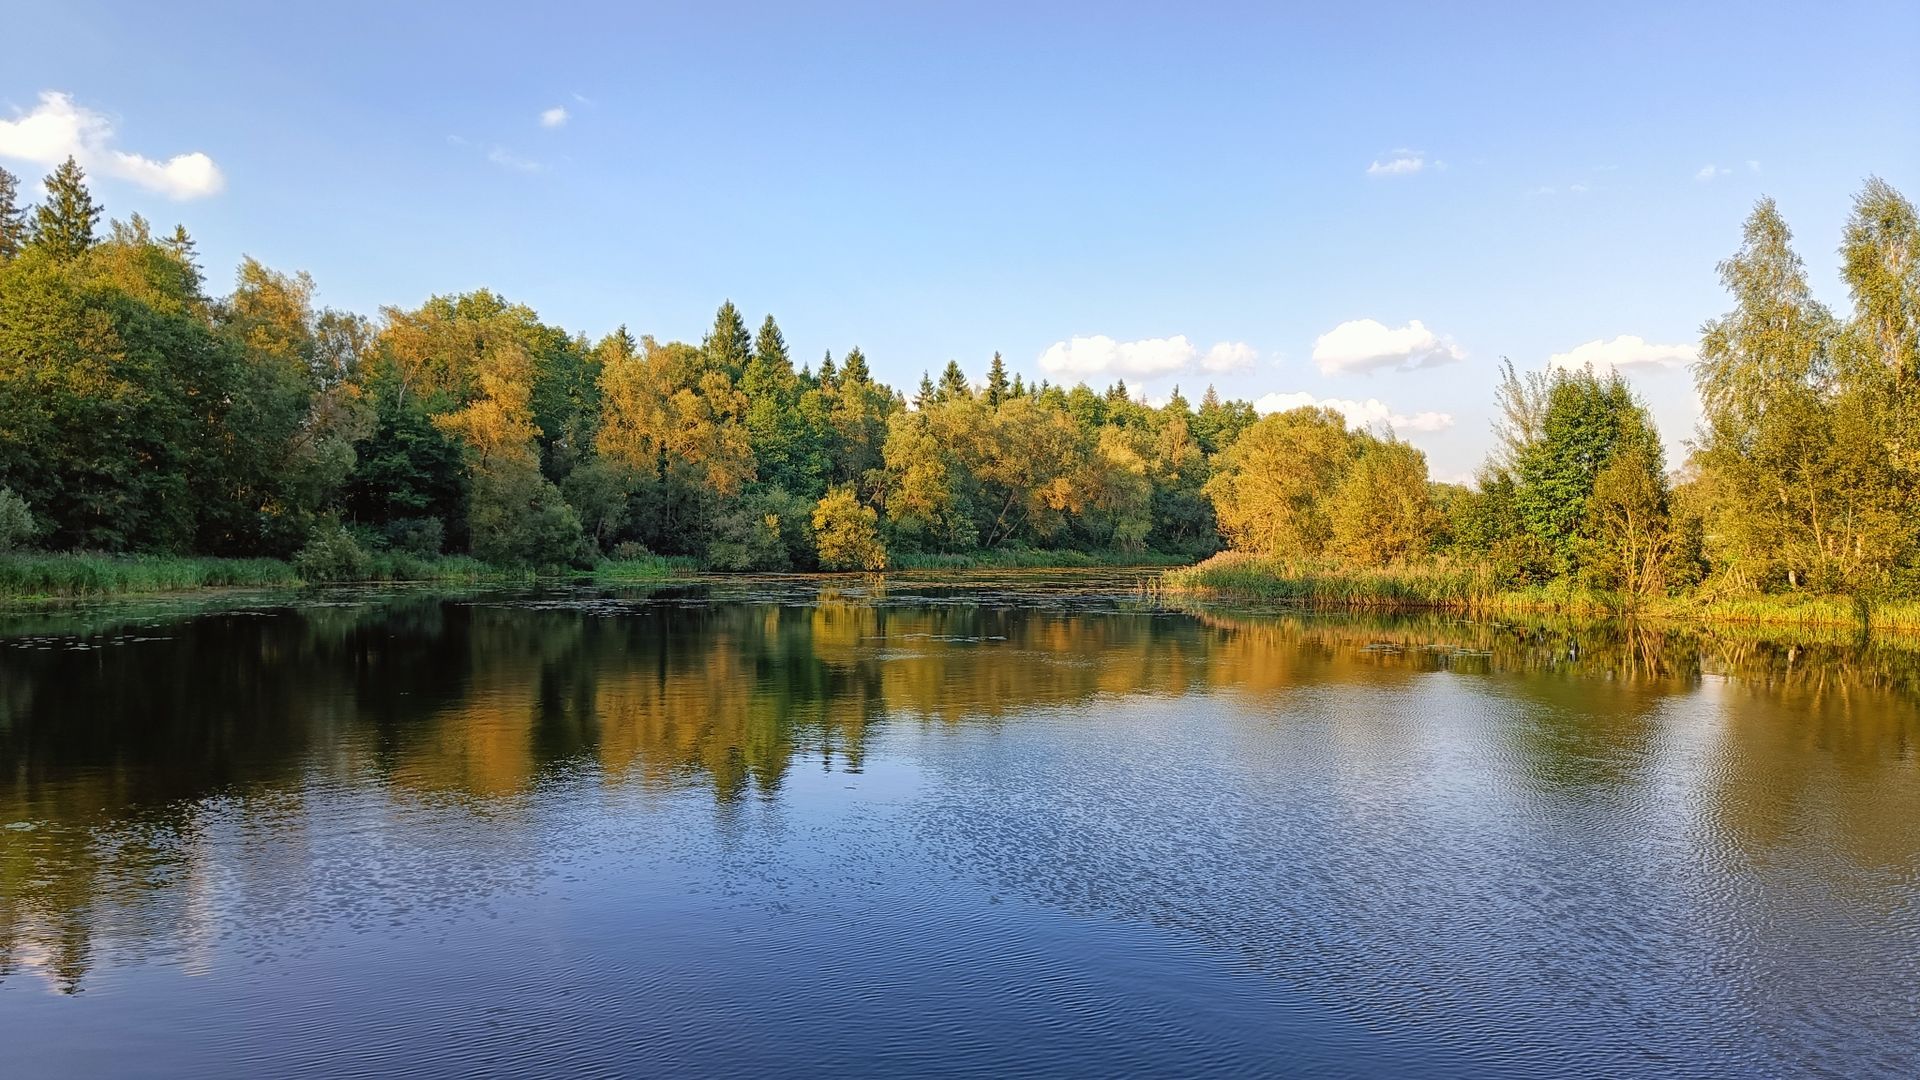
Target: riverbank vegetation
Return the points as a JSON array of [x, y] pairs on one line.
[[141, 414], [1799, 501], [153, 432]]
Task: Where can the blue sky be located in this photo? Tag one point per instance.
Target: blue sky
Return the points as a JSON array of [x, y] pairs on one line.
[[941, 181]]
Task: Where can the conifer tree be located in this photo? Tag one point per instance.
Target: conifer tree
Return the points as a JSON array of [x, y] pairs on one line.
[[953, 383], [728, 346], [996, 381], [853, 370], [64, 223], [13, 217]]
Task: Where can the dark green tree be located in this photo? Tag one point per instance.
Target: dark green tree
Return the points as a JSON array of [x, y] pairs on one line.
[[1588, 421], [13, 217], [728, 345], [63, 223], [996, 381], [953, 384]]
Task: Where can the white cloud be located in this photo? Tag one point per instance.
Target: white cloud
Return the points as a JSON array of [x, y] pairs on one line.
[[1230, 356], [1709, 172], [58, 128], [1624, 353], [1367, 345], [1399, 163], [1101, 355], [507, 159], [555, 117], [1367, 414]]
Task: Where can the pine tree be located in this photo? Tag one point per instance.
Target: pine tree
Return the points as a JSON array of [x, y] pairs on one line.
[[925, 397], [13, 217], [64, 223], [829, 377], [1019, 387], [996, 381]]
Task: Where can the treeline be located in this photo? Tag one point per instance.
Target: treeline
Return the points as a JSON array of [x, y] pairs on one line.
[[1804, 476], [138, 413]]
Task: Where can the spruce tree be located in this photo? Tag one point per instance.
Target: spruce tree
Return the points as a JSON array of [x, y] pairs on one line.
[[13, 217], [729, 346], [925, 397], [770, 349], [853, 370], [829, 377], [1019, 387], [996, 381], [953, 383], [64, 223]]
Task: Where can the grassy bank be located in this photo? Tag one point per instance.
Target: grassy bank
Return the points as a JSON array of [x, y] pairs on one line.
[[1471, 590], [56, 575], [1030, 559], [36, 575], [644, 568]]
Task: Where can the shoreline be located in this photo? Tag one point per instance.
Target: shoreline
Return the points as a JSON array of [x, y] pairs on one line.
[[44, 578], [1442, 590]]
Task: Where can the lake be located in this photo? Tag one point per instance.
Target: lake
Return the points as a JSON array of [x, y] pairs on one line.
[[931, 825]]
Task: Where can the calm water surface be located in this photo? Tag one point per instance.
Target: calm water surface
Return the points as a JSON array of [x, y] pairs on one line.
[[999, 825]]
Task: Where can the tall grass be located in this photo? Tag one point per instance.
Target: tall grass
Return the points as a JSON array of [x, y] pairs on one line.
[[33, 574], [644, 568], [30, 575], [1471, 589]]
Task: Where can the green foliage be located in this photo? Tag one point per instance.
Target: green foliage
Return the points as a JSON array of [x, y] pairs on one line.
[[332, 554], [1586, 423], [13, 217], [139, 414], [421, 537], [767, 530], [81, 574], [519, 518], [1383, 511], [846, 534], [64, 222], [1271, 487], [17, 526]]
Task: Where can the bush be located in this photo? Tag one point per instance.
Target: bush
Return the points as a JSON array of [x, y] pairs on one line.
[[332, 554], [629, 551], [767, 530], [846, 534], [519, 519], [1520, 560], [16, 521]]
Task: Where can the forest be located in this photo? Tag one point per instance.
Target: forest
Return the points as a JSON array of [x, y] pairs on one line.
[[142, 415]]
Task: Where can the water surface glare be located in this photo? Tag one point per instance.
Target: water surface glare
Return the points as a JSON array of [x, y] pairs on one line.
[[935, 825]]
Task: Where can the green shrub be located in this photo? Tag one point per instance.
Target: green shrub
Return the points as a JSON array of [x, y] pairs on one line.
[[17, 526], [332, 554]]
